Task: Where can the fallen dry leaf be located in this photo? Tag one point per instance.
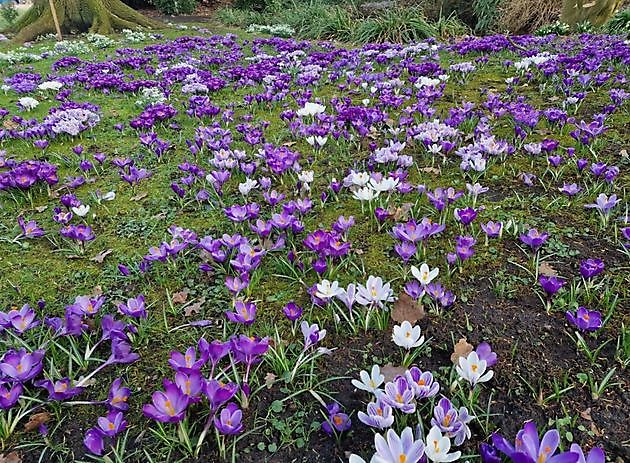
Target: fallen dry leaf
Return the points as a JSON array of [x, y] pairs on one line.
[[139, 196], [9, 124], [431, 170], [36, 420], [462, 349], [12, 457], [41, 208], [547, 270], [405, 308], [97, 291], [586, 414], [400, 213], [100, 257], [390, 372], [180, 297], [195, 308], [269, 380]]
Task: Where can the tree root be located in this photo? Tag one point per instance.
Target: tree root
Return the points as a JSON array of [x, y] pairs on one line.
[[97, 16]]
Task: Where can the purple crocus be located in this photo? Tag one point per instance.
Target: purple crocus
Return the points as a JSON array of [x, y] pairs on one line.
[[20, 320], [134, 307], [590, 268], [551, 284], [585, 320], [529, 449], [59, 390], [465, 216], [9, 396], [112, 424], [604, 204], [29, 229], [219, 393], [94, 442], [21, 365], [534, 239], [312, 334], [489, 454], [484, 352], [187, 362], [336, 421], [596, 455], [292, 311], [244, 312], [118, 396], [229, 420], [492, 229], [168, 406]]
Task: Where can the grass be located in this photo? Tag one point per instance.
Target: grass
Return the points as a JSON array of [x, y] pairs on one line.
[[40, 270]]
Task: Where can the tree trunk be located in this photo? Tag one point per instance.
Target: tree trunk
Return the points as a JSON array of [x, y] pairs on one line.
[[597, 12], [98, 16]]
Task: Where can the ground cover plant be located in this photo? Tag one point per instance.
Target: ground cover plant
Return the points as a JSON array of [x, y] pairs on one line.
[[219, 246]]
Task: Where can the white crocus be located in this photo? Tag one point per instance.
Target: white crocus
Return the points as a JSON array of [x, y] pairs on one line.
[[50, 85], [437, 447], [386, 184], [473, 369], [359, 178], [424, 275], [328, 290], [365, 194], [311, 109], [28, 103], [82, 210], [356, 459], [407, 336], [316, 141], [369, 382], [306, 176], [247, 186], [109, 196]]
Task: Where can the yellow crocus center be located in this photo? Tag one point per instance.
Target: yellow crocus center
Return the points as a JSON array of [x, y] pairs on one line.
[[402, 458], [169, 408]]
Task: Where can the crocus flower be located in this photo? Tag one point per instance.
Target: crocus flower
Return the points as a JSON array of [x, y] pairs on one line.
[[29, 229], [404, 448], [191, 385], [551, 284], [219, 393], [484, 351], [422, 383], [134, 308], [327, 290], [118, 396], [375, 292], [188, 362], [369, 381], [379, 415], [10, 396], [21, 365], [438, 447], [244, 312], [312, 334], [292, 311], [585, 320], [451, 421], [229, 420], [590, 268], [492, 229], [59, 390], [168, 406], [534, 239], [399, 394], [529, 449], [596, 455], [473, 369], [336, 420], [112, 424], [20, 320], [604, 204], [424, 275], [407, 336], [93, 441], [489, 454]]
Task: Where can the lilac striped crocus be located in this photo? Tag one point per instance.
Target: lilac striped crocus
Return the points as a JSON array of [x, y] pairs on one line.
[[379, 415], [452, 422], [422, 383], [399, 394]]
